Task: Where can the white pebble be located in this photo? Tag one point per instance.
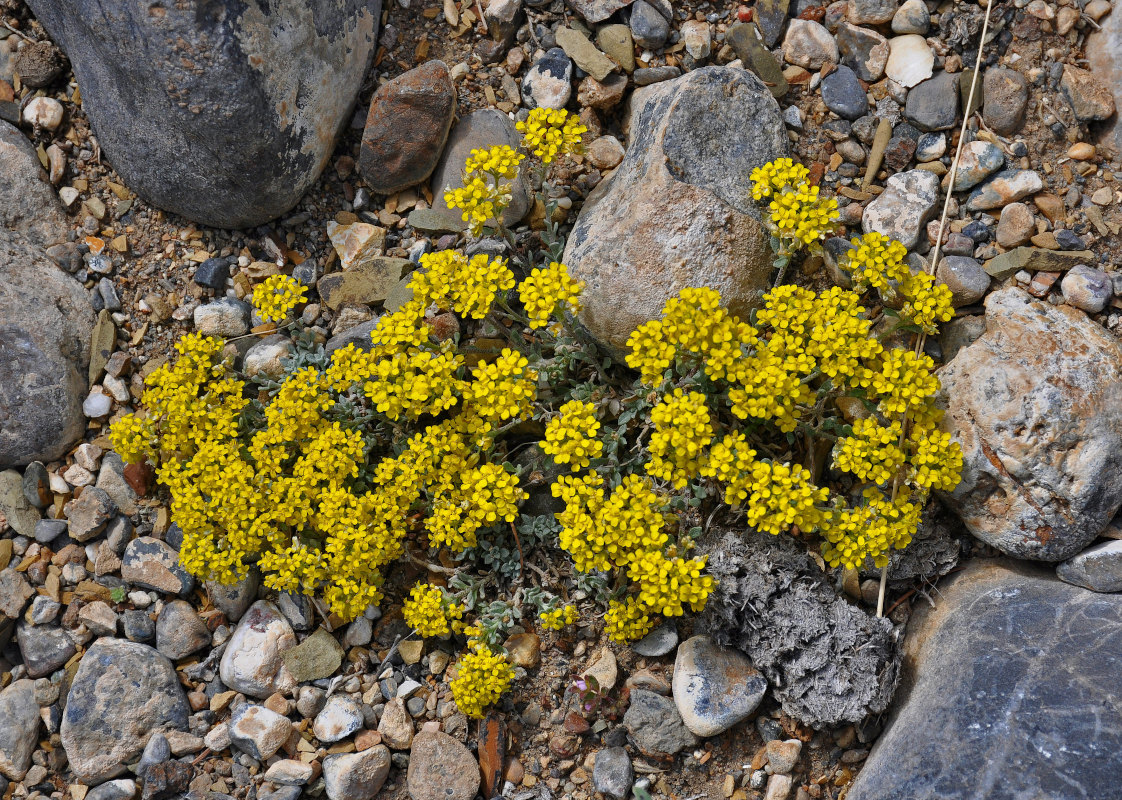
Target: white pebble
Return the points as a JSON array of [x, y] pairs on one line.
[[97, 405], [44, 112]]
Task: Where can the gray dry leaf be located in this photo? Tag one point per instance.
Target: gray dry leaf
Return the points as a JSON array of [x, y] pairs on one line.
[[828, 661]]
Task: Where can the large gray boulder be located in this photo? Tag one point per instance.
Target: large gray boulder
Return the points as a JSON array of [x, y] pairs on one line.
[[122, 693], [45, 326], [1010, 691], [1036, 404], [678, 212], [28, 204], [225, 111]]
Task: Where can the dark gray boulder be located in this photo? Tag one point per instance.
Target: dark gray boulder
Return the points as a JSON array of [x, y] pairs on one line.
[[224, 111], [828, 662], [45, 326], [122, 693], [1010, 691]]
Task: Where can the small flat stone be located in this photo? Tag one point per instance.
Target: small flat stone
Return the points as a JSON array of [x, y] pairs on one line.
[[1087, 288], [153, 564], [366, 284], [441, 768], [316, 657], [965, 277], [253, 661], [744, 38], [1005, 96], [1035, 259], [809, 45], [258, 730], [714, 687], [88, 515], [341, 717], [584, 53], [911, 17], [224, 317], [1005, 187], [1098, 568], [933, 104], [356, 776], [910, 60], [658, 642], [548, 83], [842, 94], [656, 726], [979, 160], [19, 723], [179, 631], [613, 774], [1090, 99], [903, 209], [863, 50], [1016, 225]]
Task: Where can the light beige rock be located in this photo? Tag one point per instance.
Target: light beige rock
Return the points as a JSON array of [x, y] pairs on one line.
[[678, 210], [356, 243], [910, 60], [1036, 404]]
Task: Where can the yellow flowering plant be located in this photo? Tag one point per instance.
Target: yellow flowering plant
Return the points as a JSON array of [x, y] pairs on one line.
[[426, 452]]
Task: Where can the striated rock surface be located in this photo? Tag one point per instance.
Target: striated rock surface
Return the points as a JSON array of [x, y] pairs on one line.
[[1036, 404], [1009, 691], [678, 210]]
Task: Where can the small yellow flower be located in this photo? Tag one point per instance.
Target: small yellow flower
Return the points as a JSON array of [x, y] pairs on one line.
[[482, 678], [276, 296], [549, 133], [547, 290], [571, 437], [557, 618]]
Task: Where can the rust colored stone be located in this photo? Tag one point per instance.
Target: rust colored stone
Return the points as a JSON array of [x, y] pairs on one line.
[[406, 128]]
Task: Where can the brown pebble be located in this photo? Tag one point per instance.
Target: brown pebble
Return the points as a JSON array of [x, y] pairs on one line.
[[1081, 151]]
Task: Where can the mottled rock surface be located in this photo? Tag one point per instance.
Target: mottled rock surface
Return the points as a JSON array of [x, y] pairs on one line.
[[246, 99], [1009, 691], [634, 243], [714, 687], [45, 326], [122, 693], [19, 722], [441, 768], [28, 204], [253, 660], [1036, 404]]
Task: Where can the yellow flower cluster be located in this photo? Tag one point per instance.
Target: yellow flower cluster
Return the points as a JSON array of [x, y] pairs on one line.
[[480, 200], [557, 618], [870, 530], [926, 302], [276, 296], [667, 585], [875, 261], [548, 290], [504, 389], [465, 285], [775, 176], [487, 494], [683, 430], [691, 324], [803, 348], [501, 161], [627, 620], [549, 133], [872, 452], [800, 215], [570, 438], [429, 612], [482, 677], [626, 530]]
